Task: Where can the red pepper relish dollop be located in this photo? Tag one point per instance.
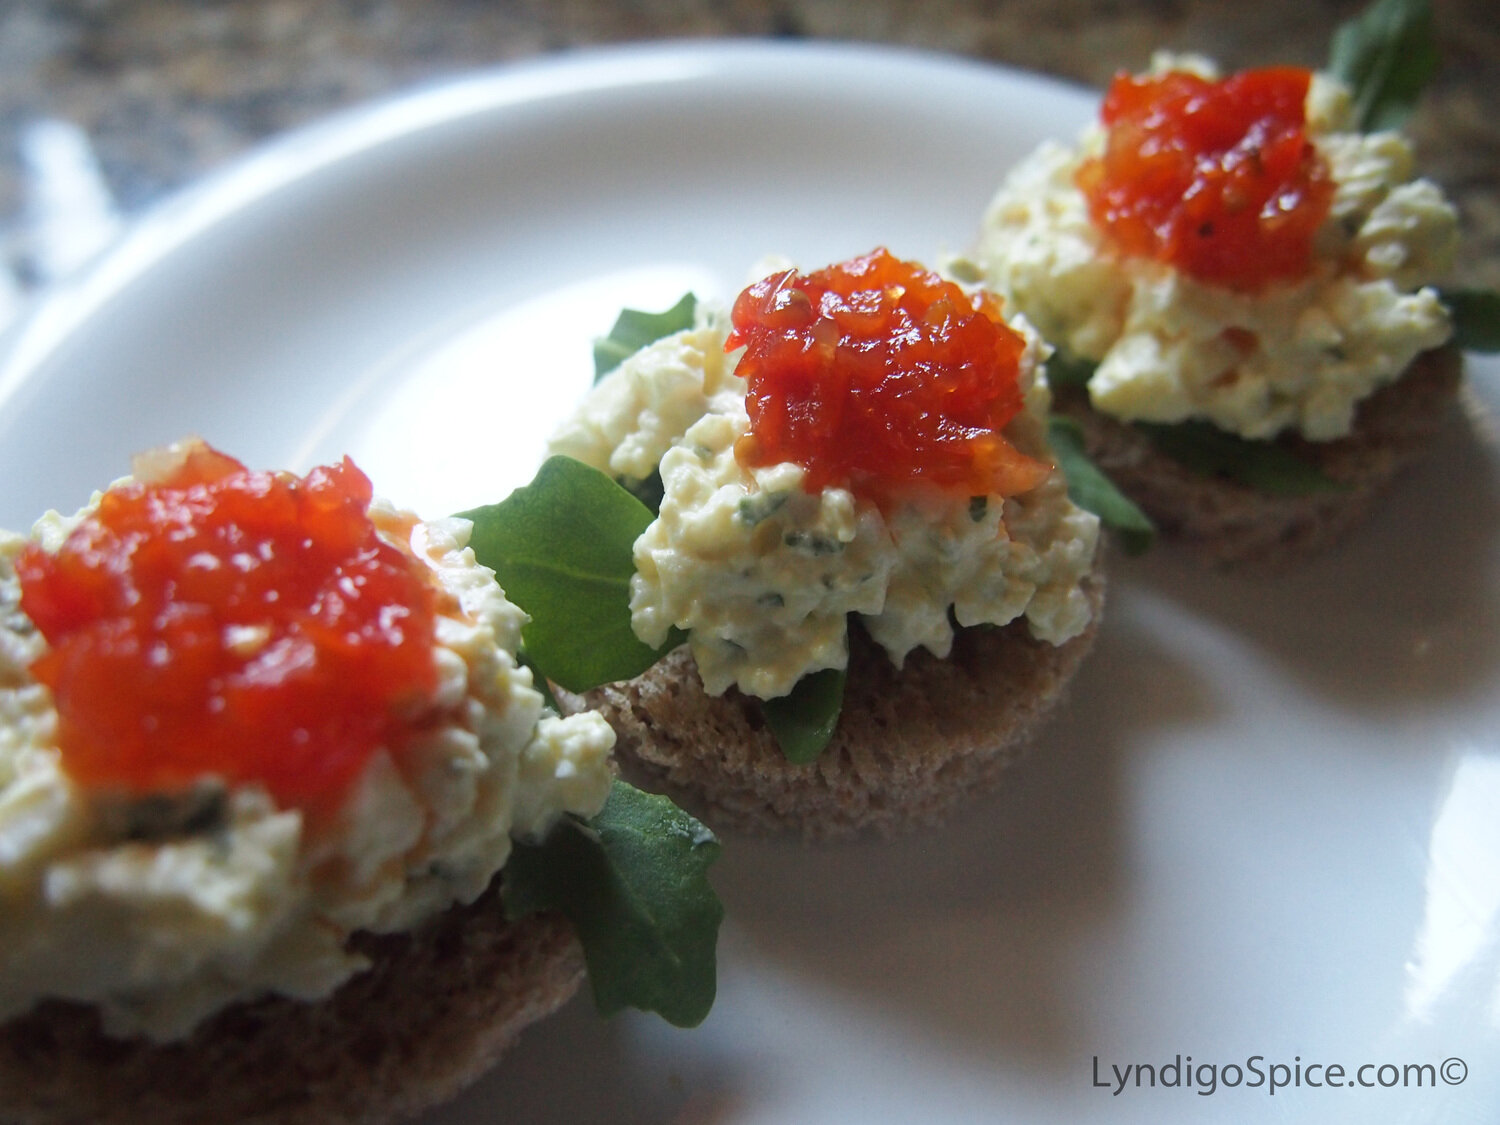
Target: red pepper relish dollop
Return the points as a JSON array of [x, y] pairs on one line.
[[876, 375], [1216, 178], [252, 626]]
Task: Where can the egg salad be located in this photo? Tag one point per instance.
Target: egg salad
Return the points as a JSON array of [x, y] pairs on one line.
[[160, 908], [1297, 355], [762, 573]]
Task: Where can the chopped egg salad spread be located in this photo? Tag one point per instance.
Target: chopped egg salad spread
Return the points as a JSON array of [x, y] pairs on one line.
[[873, 443], [243, 715], [1226, 249]]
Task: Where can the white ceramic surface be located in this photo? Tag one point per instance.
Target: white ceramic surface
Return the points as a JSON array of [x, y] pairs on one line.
[[1262, 835]]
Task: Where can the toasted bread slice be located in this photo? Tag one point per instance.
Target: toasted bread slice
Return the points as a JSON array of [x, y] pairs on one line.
[[434, 1012], [1234, 525], [911, 744]]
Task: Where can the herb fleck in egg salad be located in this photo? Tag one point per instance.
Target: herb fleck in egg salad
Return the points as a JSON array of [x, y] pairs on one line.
[[1226, 249], [242, 716], [865, 439]]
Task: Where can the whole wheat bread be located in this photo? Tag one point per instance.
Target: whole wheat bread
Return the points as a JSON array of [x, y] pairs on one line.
[[1234, 525], [910, 745], [434, 1012]]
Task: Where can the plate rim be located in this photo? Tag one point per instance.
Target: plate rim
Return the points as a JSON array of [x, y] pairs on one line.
[[203, 193], [281, 161]]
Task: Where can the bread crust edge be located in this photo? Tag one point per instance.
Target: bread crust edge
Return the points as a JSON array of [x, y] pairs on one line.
[[1233, 526], [912, 743], [435, 1010]]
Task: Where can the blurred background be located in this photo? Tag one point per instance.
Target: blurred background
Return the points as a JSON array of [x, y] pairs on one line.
[[106, 106]]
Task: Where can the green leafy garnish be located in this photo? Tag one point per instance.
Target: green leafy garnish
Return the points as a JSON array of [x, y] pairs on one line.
[[633, 883], [561, 548], [1385, 55], [804, 720], [1261, 465], [1093, 491], [1476, 318], [649, 491], [634, 329], [1065, 371]]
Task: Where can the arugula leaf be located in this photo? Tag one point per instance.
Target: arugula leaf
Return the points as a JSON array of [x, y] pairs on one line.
[[1093, 491], [1065, 371], [561, 548], [1262, 465], [649, 492], [634, 329], [1476, 318], [1386, 55], [804, 720], [633, 883]]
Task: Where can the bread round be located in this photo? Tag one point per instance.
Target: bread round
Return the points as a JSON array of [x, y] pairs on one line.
[[436, 1009], [1234, 525], [911, 744]]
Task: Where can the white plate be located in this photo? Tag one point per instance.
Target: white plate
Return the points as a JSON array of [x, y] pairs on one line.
[[1262, 833]]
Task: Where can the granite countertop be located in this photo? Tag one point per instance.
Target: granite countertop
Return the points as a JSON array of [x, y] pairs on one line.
[[165, 90]]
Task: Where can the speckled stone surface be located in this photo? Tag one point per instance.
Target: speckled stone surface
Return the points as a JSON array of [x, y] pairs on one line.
[[169, 89]]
